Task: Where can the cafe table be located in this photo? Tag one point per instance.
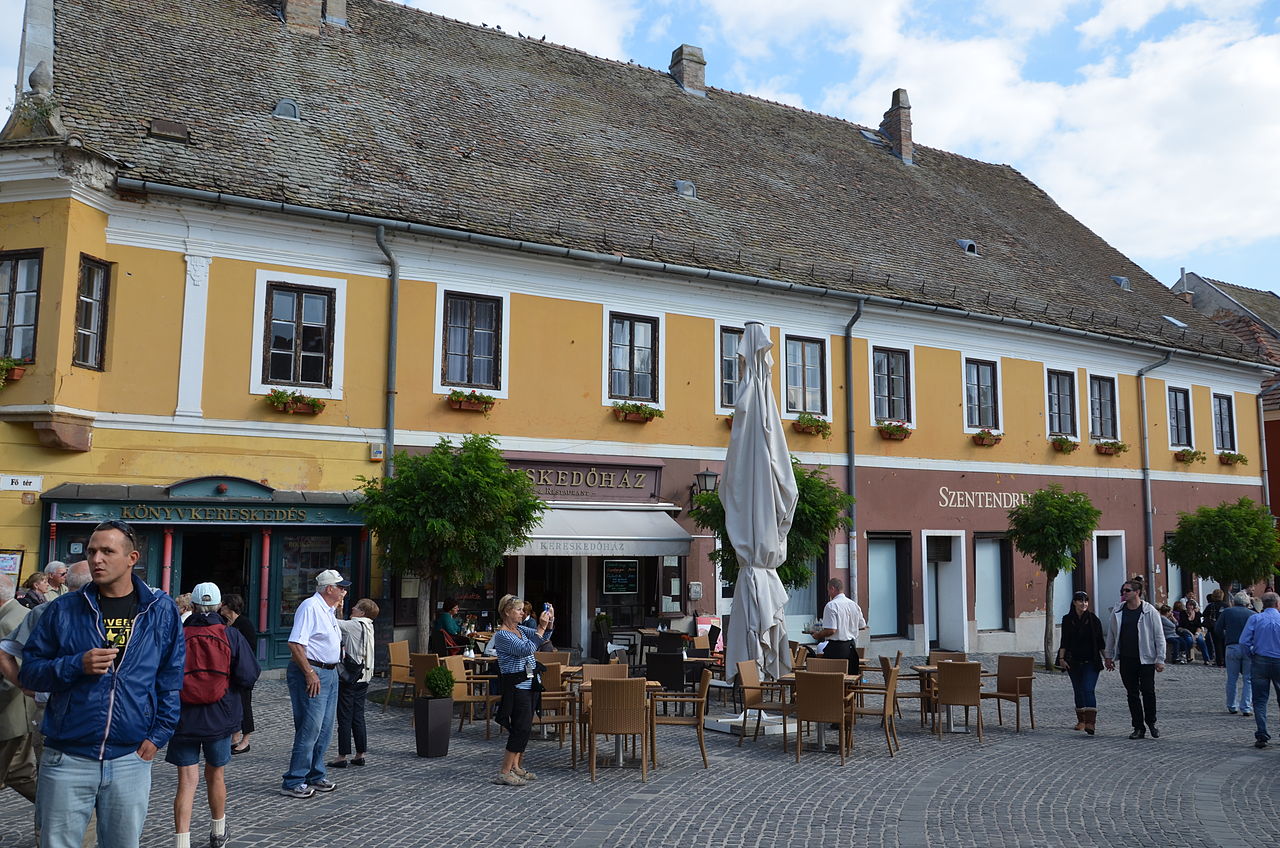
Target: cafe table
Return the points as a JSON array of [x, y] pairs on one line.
[[925, 671], [650, 687]]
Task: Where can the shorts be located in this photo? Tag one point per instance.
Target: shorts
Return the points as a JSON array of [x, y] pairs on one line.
[[186, 752]]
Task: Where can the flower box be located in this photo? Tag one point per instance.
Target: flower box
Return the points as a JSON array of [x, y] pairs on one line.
[[986, 440], [307, 406], [1188, 455], [471, 405], [1064, 445], [1106, 450], [641, 413], [15, 374], [1231, 458], [639, 417], [893, 435], [807, 429]]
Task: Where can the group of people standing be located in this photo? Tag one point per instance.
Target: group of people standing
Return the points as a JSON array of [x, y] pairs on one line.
[[1133, 638]]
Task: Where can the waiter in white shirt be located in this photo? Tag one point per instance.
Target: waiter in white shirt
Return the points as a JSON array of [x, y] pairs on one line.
[[841, 620]]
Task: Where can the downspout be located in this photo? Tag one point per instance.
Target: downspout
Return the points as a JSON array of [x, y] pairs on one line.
[[849, 450], [393, 333], [1262, 447], [1148, 524]]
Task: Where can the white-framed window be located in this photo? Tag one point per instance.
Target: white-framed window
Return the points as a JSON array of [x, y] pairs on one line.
[[891, 384], [91, 314], [299, 334], [1179, 407], [471, 356], [981, 394], [19, 302], [806, 375], [1061, 398], [1224, 423], [728, 366], [632, 368], [1104, 409]]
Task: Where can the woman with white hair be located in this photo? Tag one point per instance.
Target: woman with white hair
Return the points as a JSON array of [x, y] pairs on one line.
[[515, 645]]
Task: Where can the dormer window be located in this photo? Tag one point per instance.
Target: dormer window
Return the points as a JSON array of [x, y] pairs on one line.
[[969, 246], [287, 107]]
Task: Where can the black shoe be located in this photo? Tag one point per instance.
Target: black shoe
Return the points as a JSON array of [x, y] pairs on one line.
[[337, 764], [1261, 743], [1138, 733], [358, 761], [1155, 734]]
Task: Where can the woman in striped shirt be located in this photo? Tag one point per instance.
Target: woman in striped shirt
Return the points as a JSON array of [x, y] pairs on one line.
[[514, 645]]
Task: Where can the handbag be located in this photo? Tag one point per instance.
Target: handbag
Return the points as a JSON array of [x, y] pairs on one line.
[[350, 670]]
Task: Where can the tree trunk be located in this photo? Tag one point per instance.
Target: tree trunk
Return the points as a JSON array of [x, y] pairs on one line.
[[1048, 620], [424, 615]]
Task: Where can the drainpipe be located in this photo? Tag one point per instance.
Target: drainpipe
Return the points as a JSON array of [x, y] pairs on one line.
[[1148, 525], [849, 450], [393, 333], [1262, 449]]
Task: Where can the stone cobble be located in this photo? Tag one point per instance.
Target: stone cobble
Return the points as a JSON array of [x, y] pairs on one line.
[[1201, 781]]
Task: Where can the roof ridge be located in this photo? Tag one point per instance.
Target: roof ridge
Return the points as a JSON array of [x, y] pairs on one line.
[[1238, 286]]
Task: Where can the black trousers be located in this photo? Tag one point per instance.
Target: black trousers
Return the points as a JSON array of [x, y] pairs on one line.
[[246, 706], [1140, 683], [351, 700], [844, 650], [521, 720]]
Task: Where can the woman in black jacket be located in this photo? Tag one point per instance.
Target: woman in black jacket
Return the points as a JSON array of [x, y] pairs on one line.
[[1080, 654]]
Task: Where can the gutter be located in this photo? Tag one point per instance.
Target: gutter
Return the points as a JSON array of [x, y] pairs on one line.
[[649, 266], [1148, 524], [393, 335], [849, 449]]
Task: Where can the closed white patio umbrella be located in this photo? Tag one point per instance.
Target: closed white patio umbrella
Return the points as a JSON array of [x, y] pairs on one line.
[[759, 494]]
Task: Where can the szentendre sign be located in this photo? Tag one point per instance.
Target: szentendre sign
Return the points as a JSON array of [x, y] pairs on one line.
[[203, 514], [952, 499]]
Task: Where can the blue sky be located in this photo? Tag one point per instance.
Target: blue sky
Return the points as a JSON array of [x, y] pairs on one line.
[[1155, 122]]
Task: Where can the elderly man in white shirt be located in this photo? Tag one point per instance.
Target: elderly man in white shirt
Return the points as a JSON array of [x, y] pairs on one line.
[[842, 620], [315, 646]]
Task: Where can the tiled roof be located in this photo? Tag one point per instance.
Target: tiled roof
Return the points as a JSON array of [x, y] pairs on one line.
[[1264, 304], [412, 116]]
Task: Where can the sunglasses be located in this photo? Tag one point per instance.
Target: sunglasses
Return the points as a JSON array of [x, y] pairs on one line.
[[124, 528], [1126, 591]]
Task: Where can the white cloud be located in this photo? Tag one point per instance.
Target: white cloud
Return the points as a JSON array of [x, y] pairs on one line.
[[594, 26], [1023, 17], [1132, 15]]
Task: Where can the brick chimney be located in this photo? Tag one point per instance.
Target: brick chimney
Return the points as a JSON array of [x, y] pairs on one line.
[[303, 16], [896, 126], [689, 69]]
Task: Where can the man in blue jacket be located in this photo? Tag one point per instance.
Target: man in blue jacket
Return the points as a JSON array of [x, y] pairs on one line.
[[111, 657], [206, 724]]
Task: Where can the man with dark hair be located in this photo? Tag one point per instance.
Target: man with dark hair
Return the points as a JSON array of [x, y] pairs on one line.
[[842, 620], [1136, 639], [111, 657], [1261, 638], [1239, 664]]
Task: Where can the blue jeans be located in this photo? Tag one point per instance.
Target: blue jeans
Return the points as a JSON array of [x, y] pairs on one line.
[[1084, 677], [312, 724], [1266, 674], [70, 788], [1239, 663]]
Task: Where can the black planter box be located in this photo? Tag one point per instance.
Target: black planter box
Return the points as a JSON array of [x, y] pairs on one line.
[[432, 723]]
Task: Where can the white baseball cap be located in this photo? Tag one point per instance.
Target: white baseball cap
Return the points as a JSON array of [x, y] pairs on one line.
[[329, 577], [207, 595]]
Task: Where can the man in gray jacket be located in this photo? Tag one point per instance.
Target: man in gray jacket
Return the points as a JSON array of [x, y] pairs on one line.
[[1230, 624], [1135, 638]]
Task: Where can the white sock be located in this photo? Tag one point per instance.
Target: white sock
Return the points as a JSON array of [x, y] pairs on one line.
[[217, 827], [182, 840]]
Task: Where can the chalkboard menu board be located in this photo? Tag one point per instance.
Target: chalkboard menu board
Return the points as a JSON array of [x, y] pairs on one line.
[[621, 576]]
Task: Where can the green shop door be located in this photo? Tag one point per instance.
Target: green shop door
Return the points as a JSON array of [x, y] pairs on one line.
[[297, 556]]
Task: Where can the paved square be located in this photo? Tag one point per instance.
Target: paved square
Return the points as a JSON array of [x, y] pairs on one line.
[[1201, 784]]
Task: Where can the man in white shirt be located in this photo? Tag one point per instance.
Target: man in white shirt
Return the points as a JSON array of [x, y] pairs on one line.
[[842, 619], [57, 573], [315, 646]]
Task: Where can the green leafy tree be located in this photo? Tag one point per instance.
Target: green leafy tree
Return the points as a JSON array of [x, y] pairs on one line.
[[1048, 527], [1229, 543], [449, 514], [821, 509]]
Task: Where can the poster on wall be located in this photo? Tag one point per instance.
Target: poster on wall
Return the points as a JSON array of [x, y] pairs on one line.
[[11, 563]]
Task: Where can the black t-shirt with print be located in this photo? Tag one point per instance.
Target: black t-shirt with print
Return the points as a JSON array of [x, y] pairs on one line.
[[117, 620]]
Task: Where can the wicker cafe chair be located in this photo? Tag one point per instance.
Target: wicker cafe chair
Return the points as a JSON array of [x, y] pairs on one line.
[[468, 691], [888, 692], [753, 698], [557, 709], [419, 665], [936, 657], [959, 685], [549, 657], [619, 707], [1014, 676], [820, 697], [699, 702], [591, 673], [800, 657], [827, 665], [400, 673]]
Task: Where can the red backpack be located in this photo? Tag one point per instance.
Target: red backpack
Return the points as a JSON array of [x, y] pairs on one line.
[[208, 668]]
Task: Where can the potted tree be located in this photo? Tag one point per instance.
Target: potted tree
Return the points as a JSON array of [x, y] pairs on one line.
[[1232, 458], [433, 714], [811, 425], [1110, 447], [639, 412], [986, 437], [894, 431], [1062, 444]]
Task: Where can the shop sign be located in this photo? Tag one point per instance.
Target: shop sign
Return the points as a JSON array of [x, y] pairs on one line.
[[202, 514], [21, 482], [955, 499], [563, 481]]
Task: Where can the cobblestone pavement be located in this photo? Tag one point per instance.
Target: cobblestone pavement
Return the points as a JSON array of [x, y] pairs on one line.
[[1201, 783]]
